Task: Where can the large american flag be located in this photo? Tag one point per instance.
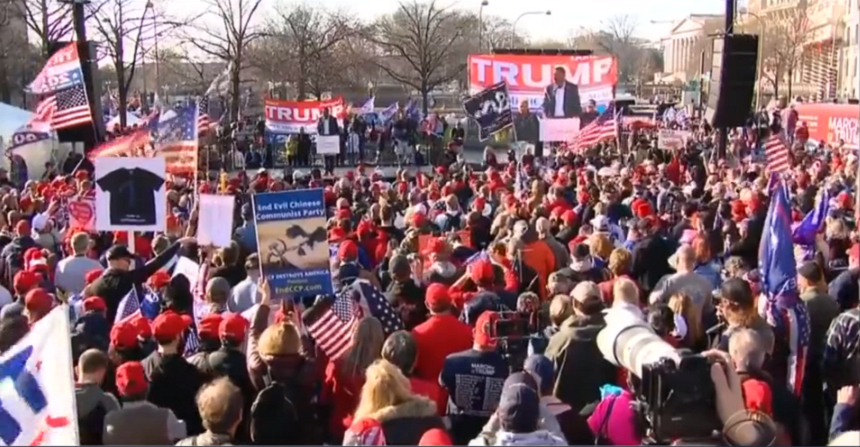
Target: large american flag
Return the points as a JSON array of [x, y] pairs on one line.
[[175, 138], [605, 127], [332, 328], [777, 155], [65, 108]]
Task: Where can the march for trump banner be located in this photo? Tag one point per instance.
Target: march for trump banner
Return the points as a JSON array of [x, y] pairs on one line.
[[491, 109], [286, 117], [37, 399], [293, 242]]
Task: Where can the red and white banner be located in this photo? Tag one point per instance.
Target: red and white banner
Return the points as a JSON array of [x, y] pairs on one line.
[[285, 117], [831, 122], [529, 75]]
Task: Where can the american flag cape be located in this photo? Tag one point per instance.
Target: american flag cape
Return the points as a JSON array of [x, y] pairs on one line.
[[784, 311], [331, 322]]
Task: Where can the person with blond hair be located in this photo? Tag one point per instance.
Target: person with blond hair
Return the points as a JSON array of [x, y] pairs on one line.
[[345, 375], [620, 262], [388, 413], [689, 329]]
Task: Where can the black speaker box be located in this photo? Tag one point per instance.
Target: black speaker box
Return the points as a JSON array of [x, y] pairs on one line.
[[733, 78], [89, 134]]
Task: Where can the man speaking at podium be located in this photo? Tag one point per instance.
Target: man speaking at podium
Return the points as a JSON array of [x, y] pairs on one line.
[[561, 98]]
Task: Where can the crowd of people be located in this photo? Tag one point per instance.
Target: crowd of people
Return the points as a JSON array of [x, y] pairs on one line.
[[503, 280]]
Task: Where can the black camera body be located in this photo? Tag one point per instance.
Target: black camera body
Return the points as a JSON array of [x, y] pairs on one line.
[[512, 331], [679, 400]]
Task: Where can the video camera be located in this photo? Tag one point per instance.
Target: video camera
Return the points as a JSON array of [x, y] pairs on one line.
[[676, 394]]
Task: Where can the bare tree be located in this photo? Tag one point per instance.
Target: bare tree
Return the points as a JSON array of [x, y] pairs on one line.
[[180, 68], [308, 42], [616, 37], [51, 20], [228, 41], [119, 23], [782, 48], [415, 46]]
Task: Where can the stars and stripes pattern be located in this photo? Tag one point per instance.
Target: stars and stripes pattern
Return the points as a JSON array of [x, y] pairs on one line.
[[777, 155], [521, 182], [203, 122], [129, 306], [605, 127], [334, 327], [65, 108]]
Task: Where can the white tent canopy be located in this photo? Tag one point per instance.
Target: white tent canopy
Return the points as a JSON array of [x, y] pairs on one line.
[[13, 119]]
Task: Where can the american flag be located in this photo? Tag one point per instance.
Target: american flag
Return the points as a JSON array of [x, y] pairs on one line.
[[128, 306], [175, 138], [605, 127], [778, 157], [125, 146], [481, 255], [332, 327], [65, 108], [203, 122]]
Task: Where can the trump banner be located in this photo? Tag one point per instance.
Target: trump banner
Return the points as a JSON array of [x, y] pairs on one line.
[[293, 242], [286, 117], [528, 76], [63, 70], [831, 123], [37, 399]]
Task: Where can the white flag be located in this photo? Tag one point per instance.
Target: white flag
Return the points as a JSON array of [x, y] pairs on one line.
[[37, 387]]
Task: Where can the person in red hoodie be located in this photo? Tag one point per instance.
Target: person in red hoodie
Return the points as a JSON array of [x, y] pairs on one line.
[[442, 334], [401, 350]]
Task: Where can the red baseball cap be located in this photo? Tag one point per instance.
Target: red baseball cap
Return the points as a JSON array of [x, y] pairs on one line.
[[418, 219], [141, 326], [437, 295], [25, 280], [348, 250], [484, 329], [208, 327], [123, 335], [482, 270], [233, 327], [92, 275], [568, 217], [170, 325], [159, 279], [38, 301], [131, 379], [94, 303]]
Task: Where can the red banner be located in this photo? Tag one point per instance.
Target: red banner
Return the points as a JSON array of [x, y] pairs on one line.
[[286, 117], [529, 75], [831, 122]]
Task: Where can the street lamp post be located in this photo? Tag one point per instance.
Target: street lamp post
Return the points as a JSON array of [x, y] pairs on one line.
[[481, 24], [760, 61], [529, 13], [150, 6]]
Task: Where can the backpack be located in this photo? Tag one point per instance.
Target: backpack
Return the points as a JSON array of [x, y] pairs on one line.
[[91, 426], [274, 418]]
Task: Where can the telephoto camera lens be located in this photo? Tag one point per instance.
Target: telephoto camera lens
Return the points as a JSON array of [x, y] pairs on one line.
[[629, 342]]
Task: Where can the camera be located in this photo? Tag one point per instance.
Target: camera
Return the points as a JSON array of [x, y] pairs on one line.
[[675, 392], [512, 331]]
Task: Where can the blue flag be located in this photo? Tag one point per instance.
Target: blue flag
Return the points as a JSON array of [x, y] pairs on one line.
[[804, 233], [785, 311]]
